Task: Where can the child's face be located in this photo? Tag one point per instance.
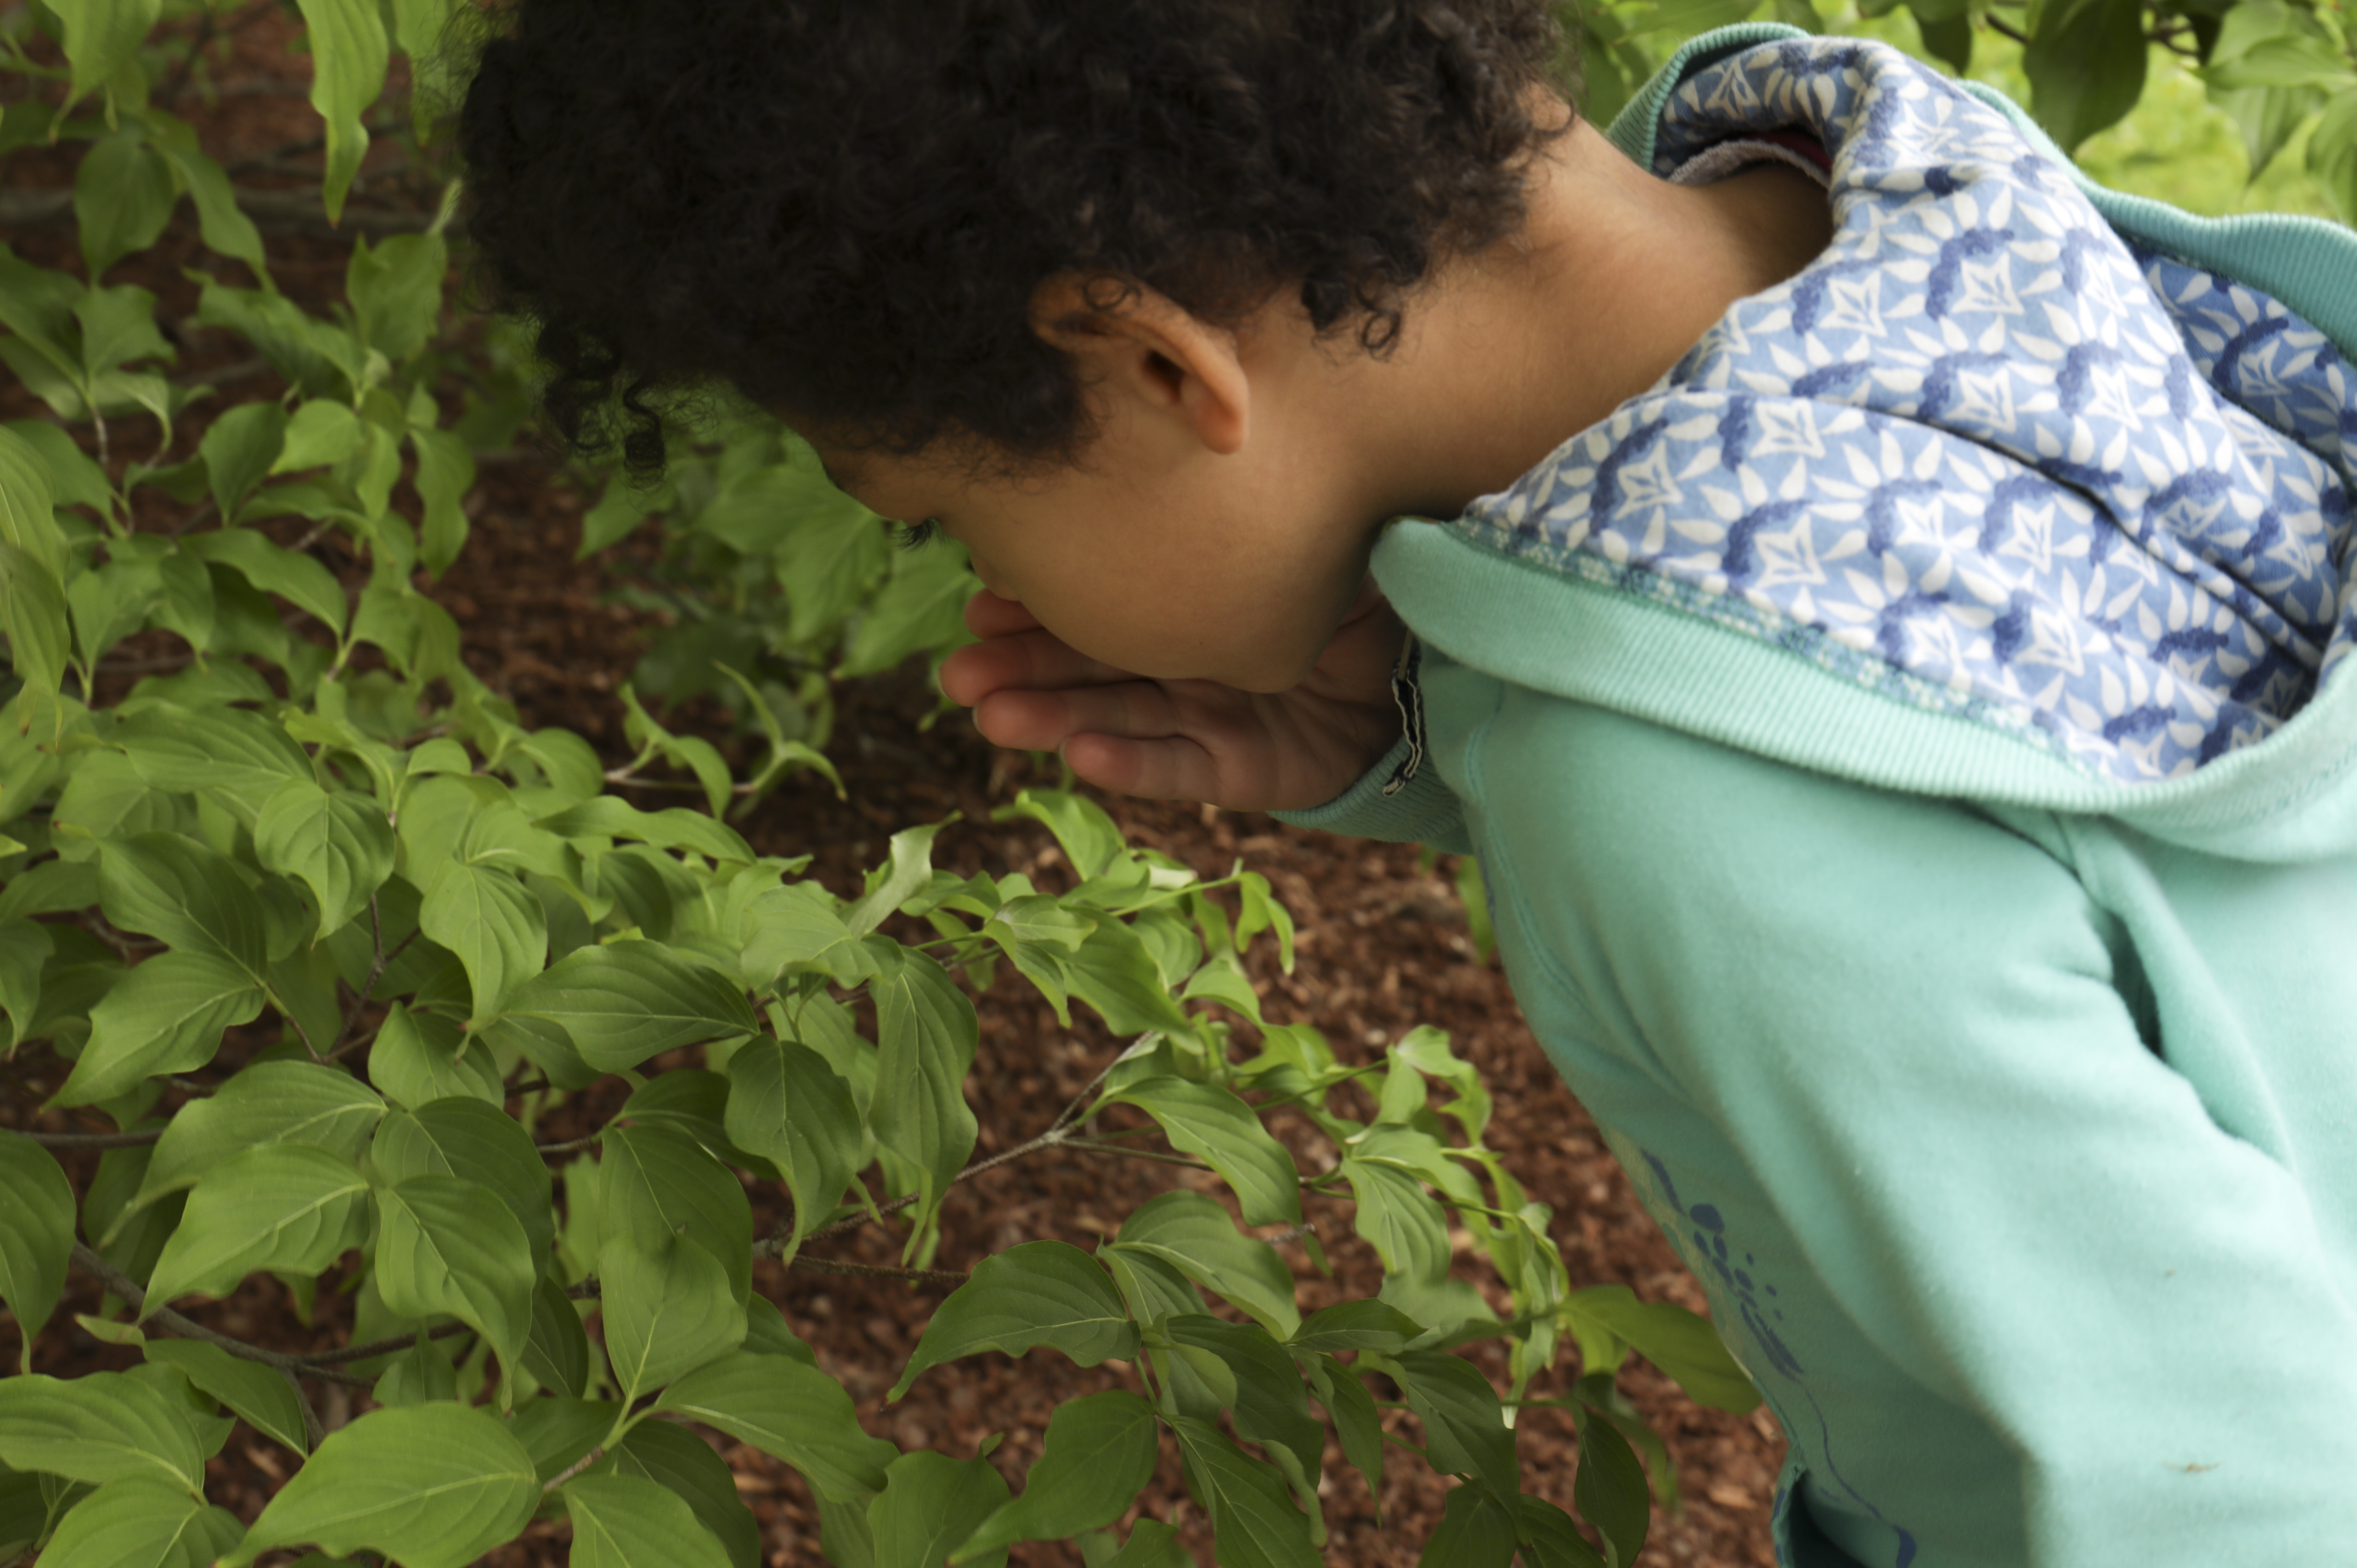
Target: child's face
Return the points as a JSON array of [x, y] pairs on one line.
[[1155, 557]]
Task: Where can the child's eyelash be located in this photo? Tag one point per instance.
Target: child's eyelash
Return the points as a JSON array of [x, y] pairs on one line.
[[916, 535]]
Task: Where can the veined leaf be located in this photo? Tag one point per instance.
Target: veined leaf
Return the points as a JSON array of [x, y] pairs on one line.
[[1610, 1489], [1040, 1293], [1206, 1119], [1550, 1539], [419, 1057], [1272, 1407], [657, 1181], [122, 198], [348, 61], [290, 1206], [926, 1032], [263, 1397], [1252, 1508], [930, 1503], [480, 1144], [627, 1001], [98, 1427], [36, 1225], [33, 607], [338, 845], [101, 35], [788, 1105], [673, 1457], [1464, 1425], [295, 577], [667, 1309], [557, 1352], [166, 1015], [138, 1522], [433, 1485], [1196, 1236], [445, 1245], [1476, 1530], [493, 922], [1100, 1454], [180, 892], [1684, 1344], [629, 1521], [790, 1411]]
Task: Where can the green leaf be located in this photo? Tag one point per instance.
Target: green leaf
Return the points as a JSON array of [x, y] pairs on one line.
[[672, 1456], [922, 607], [2332, 154], [790, 1411], [667, 1309], [655, 1181], [347, 62], [1356, 1326], [1271, 1408], [26, 948], [1682, 1344], [1476, 1530], [338, 845], [1550, 1539], [166, 1015], [926, 1032], [224, 228], [1090, 841], [480, 1144], [1400, 1220], [631, 1000], [629, 1521], [419, 1057], [1358, 1425], [288, 1207], [101, 36], [1151, 1544], [930, 1503], [180, 892], [1251, 1510], [322, 431], [33, 609], [672, 828], [1609, 1490], [787, 1105], [29, 492], [123, 196], [138, 1522], [1194, 1234], [434, 1485], [446, 472], [1206, 1119], [445, 1245], [558, 1353], [36, 1225], [494, 925], [1114, 972], [1040, 1293], [559, 1432], [241, 754], [98, 1427], [2086, 64], [396, 291], [264, 1398], [1100, 1454], [1465, 1427]]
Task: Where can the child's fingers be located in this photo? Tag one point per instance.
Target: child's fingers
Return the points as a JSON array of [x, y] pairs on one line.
[[987, 614], [1036, 659], [1171, 769], [1024, 718]]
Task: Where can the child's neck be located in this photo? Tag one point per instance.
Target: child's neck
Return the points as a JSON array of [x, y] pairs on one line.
[[1615, 275]]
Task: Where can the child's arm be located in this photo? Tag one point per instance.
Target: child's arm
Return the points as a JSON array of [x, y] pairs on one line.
[[1188, 740]]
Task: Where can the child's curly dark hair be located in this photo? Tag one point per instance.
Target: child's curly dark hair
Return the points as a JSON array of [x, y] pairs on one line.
[[844, 208]]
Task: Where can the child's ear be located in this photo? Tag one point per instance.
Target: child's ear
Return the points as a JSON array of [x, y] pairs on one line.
[[1136, 343]]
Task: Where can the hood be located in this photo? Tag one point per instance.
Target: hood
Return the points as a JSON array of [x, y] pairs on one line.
[[1994, 498]]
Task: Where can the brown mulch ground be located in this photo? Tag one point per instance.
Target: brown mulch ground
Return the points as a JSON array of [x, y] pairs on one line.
[[1384, 949]]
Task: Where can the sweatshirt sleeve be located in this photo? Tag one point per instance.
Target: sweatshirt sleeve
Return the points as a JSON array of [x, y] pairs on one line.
[[1421, 810], [2037, 1304]]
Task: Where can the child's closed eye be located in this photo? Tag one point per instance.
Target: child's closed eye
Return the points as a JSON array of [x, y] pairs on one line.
[[916, 535]]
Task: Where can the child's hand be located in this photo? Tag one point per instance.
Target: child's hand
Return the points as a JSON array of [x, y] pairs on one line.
[[1185, 740]]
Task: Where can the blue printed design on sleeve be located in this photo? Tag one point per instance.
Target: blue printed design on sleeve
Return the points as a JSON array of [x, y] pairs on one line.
[[1700, 1233], [1982, 456]]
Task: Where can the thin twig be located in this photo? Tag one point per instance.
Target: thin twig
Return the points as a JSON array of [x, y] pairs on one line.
[[771, 1246], [1091, 1146], [573, 1469], [172, 1323], [882, 1270], [375, 1347], [570, 1144], [92, 1140]]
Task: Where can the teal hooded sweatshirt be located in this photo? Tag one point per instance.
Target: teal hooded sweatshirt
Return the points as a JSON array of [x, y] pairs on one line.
[[1911, 758]]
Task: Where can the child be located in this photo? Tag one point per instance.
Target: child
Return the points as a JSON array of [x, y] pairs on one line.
[[1877, 611]]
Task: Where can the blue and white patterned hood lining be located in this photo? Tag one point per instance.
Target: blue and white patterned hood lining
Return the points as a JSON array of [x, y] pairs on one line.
[[1981, 456]]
